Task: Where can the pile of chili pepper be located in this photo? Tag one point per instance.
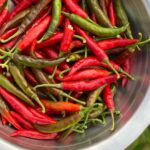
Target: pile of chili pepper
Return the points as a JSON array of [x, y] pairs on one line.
[[61, 64]]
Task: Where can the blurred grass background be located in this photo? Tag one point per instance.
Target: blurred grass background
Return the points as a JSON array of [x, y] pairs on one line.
[[143, 142]]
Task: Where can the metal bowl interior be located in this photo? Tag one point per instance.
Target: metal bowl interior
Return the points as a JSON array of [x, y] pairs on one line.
[[132, 102]]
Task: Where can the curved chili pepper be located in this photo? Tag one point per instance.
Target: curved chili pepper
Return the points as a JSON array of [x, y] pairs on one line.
[[22, 109], [101, 17], [122, 17], [4, 14], [67, 38], [56, 13], [35, 10], [109, 102], [22, 83], [113, 43], [62, 124], [94, 28], [86, 74], [74, 8], [14, 21], [56, 38], [5, 83], [61, 106], [35, 135], [75, 44], [4, 111], [82, 85], [21, 120], [32, 62], [112, 14], [33, 34], [99, 53], [92, 96]]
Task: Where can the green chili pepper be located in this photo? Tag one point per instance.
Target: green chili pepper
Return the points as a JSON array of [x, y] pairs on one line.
[[15, 20], [42, 78], [12, 89], [61, 125], [122, 17], [101, 17], [36, 62], [22, 83], [35, 10], [56, 13], [92, 97], [95, 29]]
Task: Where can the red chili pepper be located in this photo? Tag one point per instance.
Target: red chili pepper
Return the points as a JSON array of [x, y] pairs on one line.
[[75, 44], [56, 38], [86, 74], [22, 109], [114, 43], [34, 33], [109, 102], [4, 121], [99, 53], [29, 76], [21, 120], [68, 36], [8, 33], [35, 135], [21, 6], [4, 14], [74, 8], [111, 13], [61, 106], [126, 67]]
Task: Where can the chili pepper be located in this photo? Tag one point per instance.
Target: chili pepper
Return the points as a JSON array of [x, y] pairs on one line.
[[74, 8], [108, 99], [67, 38], [56, 38], [73, 57], [33, 34], [103, 6], [4, 121], [32, 62], [20, 6], [94, 28], [22, 83], [14, 21], [126, 67], [92, 61], [84, 6], [4, 14], [4, 82], [82, 85], [4, 110], [21, 120], [112, 14], [101, 17], [86, 74], [8, 33], [56, 13], [93, 95], [2, 2], [35, 10], [75, 44], [22, 109], [61, 106], [35, 135], [122, 17], [61, 125], [99, 53], [41, 77], [29, 76], [94, 17], [113, 43]]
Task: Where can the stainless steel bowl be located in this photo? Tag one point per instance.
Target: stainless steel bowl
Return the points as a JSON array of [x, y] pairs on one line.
[[133, 102]]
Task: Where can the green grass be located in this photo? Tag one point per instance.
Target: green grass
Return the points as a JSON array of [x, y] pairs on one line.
[[143, 142]]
